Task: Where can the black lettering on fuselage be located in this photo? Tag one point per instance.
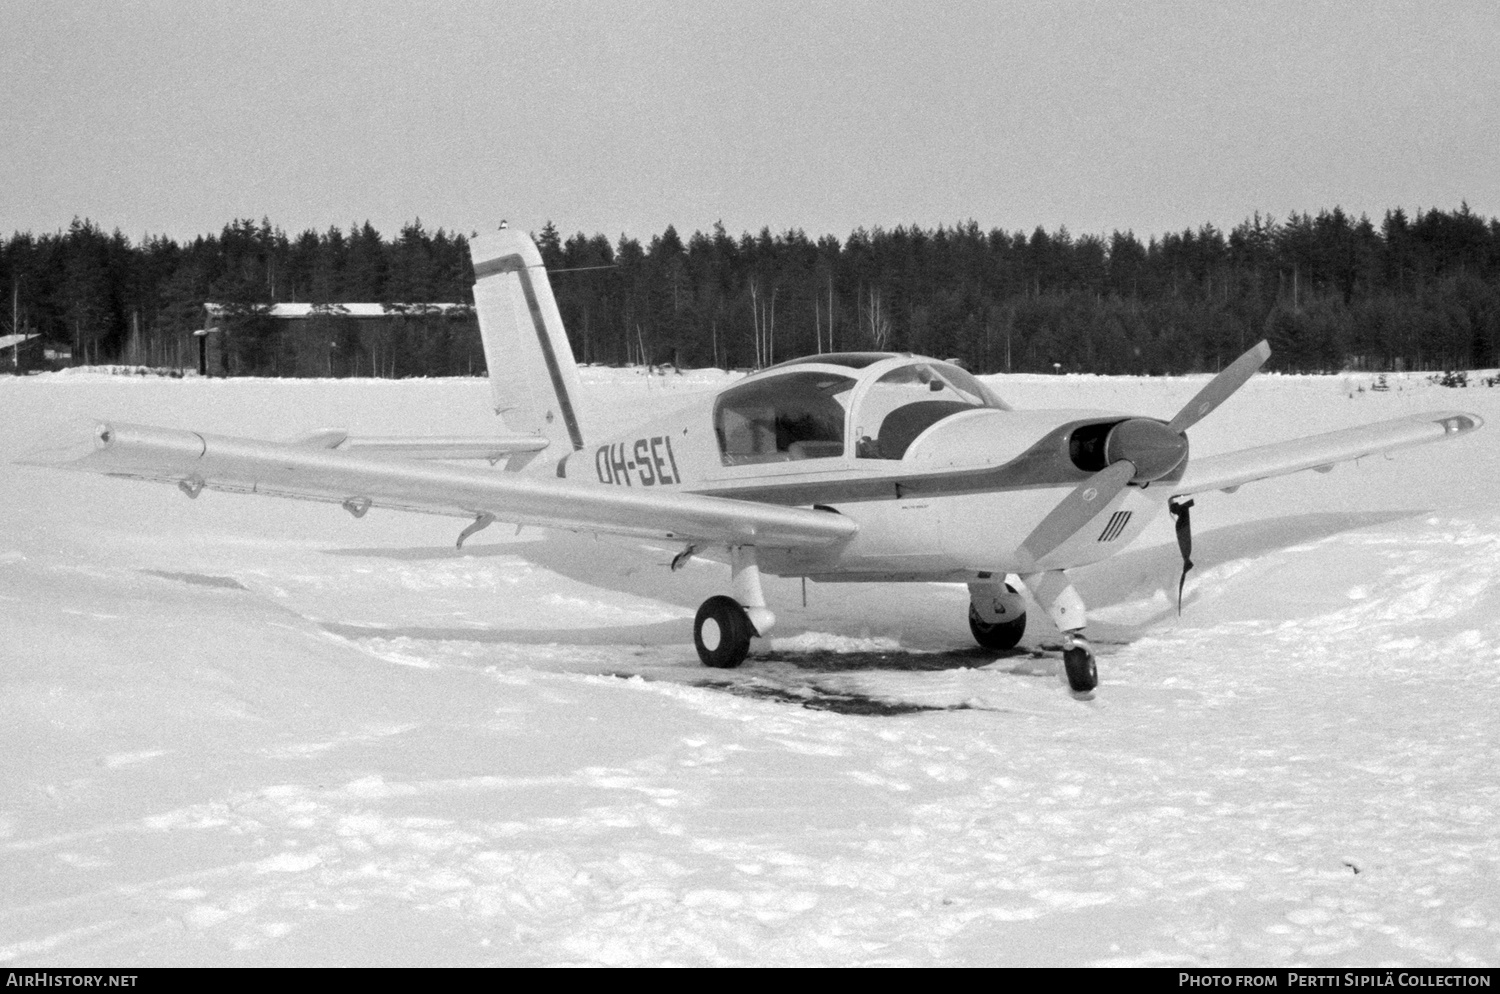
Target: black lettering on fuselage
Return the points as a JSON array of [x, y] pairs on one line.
[[643, 463], [617, 463], [676, 476], [659, 462]]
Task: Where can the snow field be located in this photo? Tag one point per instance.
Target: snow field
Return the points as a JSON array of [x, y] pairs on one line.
[[262, 732]]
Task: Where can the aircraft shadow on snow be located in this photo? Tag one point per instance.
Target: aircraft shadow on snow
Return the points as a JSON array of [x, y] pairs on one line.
[[771, 675], [632, 570], [622, 569]]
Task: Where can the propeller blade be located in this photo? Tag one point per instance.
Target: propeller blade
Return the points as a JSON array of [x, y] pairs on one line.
[[1221, 387], [1078, 508]]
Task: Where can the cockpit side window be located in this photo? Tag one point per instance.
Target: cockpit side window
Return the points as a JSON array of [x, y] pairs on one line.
[[908, 400], [795, 415]]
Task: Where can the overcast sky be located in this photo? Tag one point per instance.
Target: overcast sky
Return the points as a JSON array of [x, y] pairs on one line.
[[175, 117]]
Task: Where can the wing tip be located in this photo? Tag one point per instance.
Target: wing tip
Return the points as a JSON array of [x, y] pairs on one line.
[[1459, 422], [1452, 422], [75, 445]]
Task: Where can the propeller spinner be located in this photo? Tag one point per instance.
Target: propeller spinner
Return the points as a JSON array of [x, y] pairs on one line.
[[1138, 450]]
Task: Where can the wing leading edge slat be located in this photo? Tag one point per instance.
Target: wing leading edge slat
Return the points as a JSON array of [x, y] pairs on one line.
[[1234, 469], [198, 461]]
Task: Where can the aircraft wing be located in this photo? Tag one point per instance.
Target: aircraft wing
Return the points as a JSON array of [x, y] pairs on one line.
[[1321, 452], [197, 461]]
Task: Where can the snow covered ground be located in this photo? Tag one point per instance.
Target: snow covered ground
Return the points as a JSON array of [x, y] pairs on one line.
[[243, 731]]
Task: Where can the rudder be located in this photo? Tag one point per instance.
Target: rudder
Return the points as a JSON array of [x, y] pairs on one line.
[[533, 378]]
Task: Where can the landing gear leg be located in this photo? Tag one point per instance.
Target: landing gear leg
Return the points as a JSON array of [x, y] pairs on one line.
[[746, 569], [1055, 592], [725, 625]]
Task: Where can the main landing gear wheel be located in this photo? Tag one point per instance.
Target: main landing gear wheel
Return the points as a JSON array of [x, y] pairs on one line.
[[1000, 635], [722, 633], [1078, 661]]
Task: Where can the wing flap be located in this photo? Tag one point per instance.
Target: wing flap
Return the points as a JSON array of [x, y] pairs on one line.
[[422, 447], [197, 461], [491, 449], [1321, 452]]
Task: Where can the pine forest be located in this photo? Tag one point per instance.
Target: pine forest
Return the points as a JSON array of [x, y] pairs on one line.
[[1329, 291]]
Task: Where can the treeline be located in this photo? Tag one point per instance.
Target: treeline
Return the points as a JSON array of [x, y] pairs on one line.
[[106, 300], [1329, 291]]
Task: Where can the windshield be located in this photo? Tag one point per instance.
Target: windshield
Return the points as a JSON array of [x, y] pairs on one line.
[[908, 400]]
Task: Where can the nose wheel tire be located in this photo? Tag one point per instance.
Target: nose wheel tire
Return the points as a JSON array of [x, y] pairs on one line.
[[722, 633], [1078, 661]]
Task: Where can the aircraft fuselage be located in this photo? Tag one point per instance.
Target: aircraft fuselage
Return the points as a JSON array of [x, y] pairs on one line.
[[951, 498]]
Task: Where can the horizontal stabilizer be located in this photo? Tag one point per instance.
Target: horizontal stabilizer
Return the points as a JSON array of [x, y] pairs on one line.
[[1234, 469], [360, 480]]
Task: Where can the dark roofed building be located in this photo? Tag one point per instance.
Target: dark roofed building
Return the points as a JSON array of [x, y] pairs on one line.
[[338, 340]]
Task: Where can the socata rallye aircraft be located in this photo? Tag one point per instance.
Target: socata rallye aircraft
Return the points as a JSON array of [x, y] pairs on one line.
[[864, 466]]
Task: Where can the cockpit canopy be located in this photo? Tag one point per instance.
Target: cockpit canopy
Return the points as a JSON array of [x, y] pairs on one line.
[[802, 409], [794, 415]]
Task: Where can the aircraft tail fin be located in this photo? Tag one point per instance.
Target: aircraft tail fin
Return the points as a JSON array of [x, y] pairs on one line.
[[533, 377]]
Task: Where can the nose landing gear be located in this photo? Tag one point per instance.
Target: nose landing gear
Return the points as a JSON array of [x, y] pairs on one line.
[[1078, 662], [1055, 592]]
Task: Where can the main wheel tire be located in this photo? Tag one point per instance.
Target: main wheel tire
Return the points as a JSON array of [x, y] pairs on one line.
[[1000, 635], [722, 633], [1083, 675]]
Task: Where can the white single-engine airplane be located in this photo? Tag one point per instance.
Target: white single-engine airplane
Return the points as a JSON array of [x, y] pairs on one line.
[[871, 466]]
